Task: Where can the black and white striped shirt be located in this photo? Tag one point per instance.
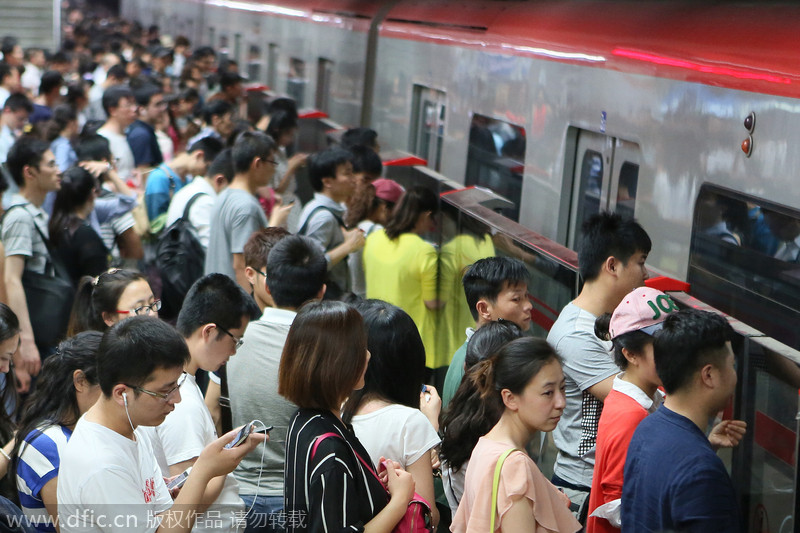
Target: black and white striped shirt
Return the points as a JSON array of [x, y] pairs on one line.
[[331, 491]]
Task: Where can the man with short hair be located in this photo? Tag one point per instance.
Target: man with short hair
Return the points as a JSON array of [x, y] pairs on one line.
[[496, 289], [169, 178], [16, 111], [256, 252], [237, 213], [611, 258], [115, 76], [212, 321], [204, 189], [295, 274], [109, 478], [33, 167], [331, 175], [49, 96], [674, 479], [218, 116], [230, 90], [9, 81], [12, 51], [119, 105], [142, 132], [35, 62]]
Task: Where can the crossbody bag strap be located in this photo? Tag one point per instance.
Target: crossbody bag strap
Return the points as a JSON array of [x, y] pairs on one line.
[[191, 202], [496, 486], [49, 265], [313, 212]]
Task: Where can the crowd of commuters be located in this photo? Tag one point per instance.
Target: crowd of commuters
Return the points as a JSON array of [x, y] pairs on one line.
[[117, 151]]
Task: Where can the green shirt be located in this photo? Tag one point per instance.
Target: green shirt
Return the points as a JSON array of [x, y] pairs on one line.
[[454, 374]]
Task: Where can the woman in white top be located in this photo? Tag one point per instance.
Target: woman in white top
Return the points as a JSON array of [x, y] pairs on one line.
[[391, 416], [283, 128]]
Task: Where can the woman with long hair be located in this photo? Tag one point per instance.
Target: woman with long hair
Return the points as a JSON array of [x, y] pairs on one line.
[[78, 245], [329, 477], [66, 388], [392, 415], [524, 380], [401, 268], [114, 295]]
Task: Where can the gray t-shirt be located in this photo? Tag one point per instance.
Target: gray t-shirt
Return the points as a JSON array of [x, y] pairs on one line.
[[587, 361], [322, 226], [20, 235], [253, 388], [235, 216]]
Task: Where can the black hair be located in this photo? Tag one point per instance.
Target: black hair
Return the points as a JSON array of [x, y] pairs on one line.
[[359, 137], [396, 370], [93, 148], [211, 147], [249, 146], [633, 341], [486, 278], [117, 72], [488, 339], [324, 164], [609, 235], [18, 102], [5, 70], [77, 185], [414, 202], [9, 323], [283, 104], [215, 298], [228, 79], [222, 164], [366, 160], [203, 51], [62, 115], [145, 93], [8, 44], [281, 122], [296, 270], [9, 327], [99, 295], [113, 95], [52, 79], [26, 151], [54, 400], [132, 349], [689, 340], [216, 108]]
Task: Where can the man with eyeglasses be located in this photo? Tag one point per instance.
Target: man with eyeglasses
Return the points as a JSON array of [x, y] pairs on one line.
[[212, 321], [109, 477], [33, 167]]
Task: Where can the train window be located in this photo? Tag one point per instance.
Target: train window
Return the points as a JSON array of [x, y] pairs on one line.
[[626, 189], [272, 65], [237, 46], [496, 158], [427, 125], [254, 63], [324, 75], [745, 261], [212, 35], [223, 47], [296, 82]]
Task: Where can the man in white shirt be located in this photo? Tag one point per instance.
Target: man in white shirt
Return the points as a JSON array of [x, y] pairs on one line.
[[9, 81], [120, 106], [109, 479], [34, 68], [217, 178]]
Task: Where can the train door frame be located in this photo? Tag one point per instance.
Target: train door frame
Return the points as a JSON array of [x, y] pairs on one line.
[[322, 96], [273, 57], [424, 98]]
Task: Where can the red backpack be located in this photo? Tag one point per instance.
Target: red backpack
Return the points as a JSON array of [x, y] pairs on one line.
[[418, 514]]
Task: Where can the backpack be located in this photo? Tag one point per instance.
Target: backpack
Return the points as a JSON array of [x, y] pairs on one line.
[[180, 259]]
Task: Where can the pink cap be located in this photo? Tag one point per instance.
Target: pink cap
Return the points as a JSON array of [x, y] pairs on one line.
[[388, 190], [643, 309]]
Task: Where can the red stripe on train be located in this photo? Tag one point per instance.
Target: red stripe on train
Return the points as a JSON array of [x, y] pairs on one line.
[[775, 438]]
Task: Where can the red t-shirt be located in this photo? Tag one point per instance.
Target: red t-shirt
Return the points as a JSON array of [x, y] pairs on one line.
[[621, 414]]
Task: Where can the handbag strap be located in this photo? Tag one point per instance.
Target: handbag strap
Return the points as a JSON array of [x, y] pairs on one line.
[[191, 202], [324, 436], [496, 485]]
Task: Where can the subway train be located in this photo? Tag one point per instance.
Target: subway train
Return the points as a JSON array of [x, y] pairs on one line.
[[682, 114]]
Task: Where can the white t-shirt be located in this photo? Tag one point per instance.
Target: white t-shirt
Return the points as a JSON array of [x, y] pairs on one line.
[[200, 213], [109, 483], [121, 151], [397, 432], [183, 435]]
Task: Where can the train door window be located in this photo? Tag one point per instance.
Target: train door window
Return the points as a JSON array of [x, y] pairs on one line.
[[254, 63], [496, 159], [272, 65], [605, 178], [223, 47], [212, 35], [324, 75], [427, 125], [237, 46], [296, 82]]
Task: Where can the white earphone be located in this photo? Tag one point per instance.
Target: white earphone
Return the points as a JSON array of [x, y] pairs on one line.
[[125, 398]]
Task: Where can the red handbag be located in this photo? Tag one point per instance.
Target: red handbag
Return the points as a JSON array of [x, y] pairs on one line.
[[418, 513]]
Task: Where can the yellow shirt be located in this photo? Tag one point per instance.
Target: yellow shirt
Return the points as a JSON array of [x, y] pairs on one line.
[[403, 272]]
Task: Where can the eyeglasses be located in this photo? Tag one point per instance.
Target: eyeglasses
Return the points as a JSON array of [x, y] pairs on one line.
[[262, 273], [237, 340], [164, 396], [272, 161], [143, 310]]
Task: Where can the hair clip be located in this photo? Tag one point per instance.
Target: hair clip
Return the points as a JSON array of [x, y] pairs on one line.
[[95, 280]]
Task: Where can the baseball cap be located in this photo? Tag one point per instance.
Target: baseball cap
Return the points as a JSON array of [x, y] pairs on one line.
[[644, 309], [388, 190]]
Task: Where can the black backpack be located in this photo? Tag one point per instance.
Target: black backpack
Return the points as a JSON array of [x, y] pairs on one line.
[[180, 259]]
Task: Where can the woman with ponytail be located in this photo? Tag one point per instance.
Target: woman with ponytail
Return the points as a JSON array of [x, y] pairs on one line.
[[66, 388], [59, 132], [78, 245], [524, 380], [110, 297]]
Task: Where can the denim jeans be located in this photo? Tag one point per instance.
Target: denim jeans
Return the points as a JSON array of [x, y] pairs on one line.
[[266, 516]]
